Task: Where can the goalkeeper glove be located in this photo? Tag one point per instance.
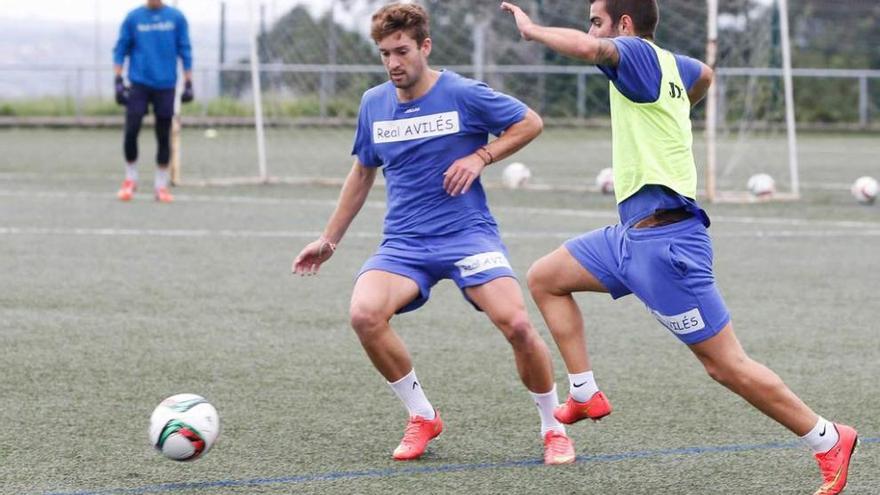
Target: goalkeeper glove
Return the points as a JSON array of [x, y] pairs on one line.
[[187, 95], [122, 91]]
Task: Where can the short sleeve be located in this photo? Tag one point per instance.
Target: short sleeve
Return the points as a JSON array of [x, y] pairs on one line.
[[690, 70], [489, 110], [363, 140], [637, 75]]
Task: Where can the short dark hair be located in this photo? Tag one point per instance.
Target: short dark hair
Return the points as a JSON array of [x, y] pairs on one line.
[[644, 13], [408, 17]]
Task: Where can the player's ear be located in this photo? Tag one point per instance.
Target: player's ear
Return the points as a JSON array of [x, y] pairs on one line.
[[426, 46], [625, 26]]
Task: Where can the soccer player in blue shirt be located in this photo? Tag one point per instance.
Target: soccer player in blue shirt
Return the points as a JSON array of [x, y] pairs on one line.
[[153, 37], [428, 131], [660, 251]]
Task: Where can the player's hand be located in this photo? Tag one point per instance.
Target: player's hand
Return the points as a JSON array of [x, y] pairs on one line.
[[121, 90], [310, 259], [187, 95], [459, 177], [523, 22]]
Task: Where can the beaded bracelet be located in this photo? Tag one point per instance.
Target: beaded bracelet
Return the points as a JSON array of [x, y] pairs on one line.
[[489, 158]]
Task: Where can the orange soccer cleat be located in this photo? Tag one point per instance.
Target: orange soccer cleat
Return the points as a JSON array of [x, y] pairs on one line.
[[419, 431], [163, 195], [573, 411], [126, 192], [558, 448], [834, 464]]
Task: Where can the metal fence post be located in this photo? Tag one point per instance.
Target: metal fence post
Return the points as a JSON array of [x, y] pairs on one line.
[[863, 102], [77, 102], [581, 95]]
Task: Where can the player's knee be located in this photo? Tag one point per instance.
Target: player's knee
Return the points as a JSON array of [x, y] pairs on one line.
[[730, 373], [538, 278], [366, 321], [518, 329]]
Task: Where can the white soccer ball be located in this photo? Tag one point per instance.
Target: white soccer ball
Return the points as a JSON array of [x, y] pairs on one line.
[[605, 181], [864, 189], [210, 133], [515, 175], [184, 427], [761, 185]]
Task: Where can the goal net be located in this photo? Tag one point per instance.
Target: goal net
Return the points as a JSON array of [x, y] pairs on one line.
[[298, 69], [745, 127]]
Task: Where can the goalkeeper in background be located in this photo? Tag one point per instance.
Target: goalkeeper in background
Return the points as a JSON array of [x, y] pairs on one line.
[[661, 250], [153, 37]]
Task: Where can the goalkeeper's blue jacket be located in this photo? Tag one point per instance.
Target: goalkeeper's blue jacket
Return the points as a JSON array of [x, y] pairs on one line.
[[153, 40]]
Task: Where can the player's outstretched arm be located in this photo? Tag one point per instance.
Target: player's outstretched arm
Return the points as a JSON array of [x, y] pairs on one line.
[[569, 42], [459, 177], [352, 198], [700, 88]]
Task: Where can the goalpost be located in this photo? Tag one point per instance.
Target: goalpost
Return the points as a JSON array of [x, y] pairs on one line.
[[714, 171]]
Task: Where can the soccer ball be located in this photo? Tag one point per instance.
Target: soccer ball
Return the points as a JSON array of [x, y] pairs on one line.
[[210, 133], [605, 181], [184, 427], [761, 185], [864, 189], [515, 175]]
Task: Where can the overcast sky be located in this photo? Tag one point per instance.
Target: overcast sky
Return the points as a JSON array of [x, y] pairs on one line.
[[114, 10]]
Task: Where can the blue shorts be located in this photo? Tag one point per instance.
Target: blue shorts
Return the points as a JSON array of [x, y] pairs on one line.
[[161, 99], [669, 268], [470, 258]]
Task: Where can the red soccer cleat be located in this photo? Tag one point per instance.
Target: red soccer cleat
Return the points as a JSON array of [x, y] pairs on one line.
[[834, 464], [126, 192], [163, 196], [419, 431], [573, 411], [558, 448]]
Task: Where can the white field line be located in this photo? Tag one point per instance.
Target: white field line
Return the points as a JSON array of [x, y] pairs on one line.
[[819, 186], [291, 234], [609, 214]]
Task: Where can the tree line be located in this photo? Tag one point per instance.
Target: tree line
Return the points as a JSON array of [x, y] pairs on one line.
[[839, 34]]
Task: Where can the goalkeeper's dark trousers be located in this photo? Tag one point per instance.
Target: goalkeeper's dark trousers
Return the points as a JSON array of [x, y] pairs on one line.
[[163, 138], [162, 101]]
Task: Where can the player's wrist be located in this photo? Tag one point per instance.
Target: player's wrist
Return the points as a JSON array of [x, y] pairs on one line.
[[485, 155], [325, 241]]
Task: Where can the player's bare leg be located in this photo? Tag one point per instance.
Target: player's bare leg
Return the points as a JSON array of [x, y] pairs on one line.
[[727, 363], [833, 444], [377, 296], [502, 301], [552, 280]]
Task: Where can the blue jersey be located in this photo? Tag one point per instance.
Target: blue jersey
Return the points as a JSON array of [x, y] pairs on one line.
[[637, 76], [415, 142], [153, 40]]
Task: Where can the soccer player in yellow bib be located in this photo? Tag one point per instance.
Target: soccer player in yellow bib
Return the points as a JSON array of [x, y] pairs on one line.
[[660, 251]]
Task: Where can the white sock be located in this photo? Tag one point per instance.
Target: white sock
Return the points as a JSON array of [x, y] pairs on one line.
[[131, 171], [582, 386], [409, 391], [546, 403], [822, 437], [161, 178]]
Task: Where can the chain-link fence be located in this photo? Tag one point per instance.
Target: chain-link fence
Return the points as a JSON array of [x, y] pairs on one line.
[[315, 60]]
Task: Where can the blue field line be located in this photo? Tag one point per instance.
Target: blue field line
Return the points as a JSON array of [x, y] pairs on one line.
[[449, 468]]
